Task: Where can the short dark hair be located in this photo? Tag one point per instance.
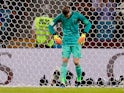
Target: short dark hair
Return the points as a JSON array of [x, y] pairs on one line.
[[65, 10]]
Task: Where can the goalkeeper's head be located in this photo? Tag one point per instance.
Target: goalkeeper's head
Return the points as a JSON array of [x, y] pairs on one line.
[[66, 11]]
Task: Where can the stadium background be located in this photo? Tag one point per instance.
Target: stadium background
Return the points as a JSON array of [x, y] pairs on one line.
[[27, 64]]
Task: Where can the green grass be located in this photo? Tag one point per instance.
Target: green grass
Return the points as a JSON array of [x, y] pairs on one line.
[[59, 90]]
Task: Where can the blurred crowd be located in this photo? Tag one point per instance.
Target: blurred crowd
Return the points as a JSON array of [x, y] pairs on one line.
[[17, 17]]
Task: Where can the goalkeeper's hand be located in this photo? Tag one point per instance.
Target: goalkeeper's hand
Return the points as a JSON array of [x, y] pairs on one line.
[[82, 38], [57, 39]]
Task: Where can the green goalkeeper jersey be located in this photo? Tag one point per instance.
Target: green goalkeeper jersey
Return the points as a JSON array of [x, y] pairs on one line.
[[70, 27], [41, 30]]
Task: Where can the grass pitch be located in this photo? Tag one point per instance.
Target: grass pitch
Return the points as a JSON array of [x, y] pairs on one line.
[[59, 90]]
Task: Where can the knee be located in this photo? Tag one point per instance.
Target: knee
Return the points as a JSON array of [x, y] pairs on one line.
[[76, 61], [65, 60]]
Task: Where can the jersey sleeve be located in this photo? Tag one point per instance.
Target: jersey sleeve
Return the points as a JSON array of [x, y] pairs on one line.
[[53, 23], [86, 22]]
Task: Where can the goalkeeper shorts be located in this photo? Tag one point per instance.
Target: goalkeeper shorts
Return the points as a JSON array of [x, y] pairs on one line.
[[75, 50]]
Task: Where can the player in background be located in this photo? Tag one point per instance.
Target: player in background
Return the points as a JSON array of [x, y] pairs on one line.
[[71, 40], [42, 35]]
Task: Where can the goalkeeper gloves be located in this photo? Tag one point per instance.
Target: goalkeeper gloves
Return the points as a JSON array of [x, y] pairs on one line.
[[81, 40], [57, 39]]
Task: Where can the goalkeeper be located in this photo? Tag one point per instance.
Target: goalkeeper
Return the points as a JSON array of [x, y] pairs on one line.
[[43, 36], [71, 41]]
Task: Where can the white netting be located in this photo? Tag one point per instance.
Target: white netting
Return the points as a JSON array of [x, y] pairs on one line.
[[17, 17]]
